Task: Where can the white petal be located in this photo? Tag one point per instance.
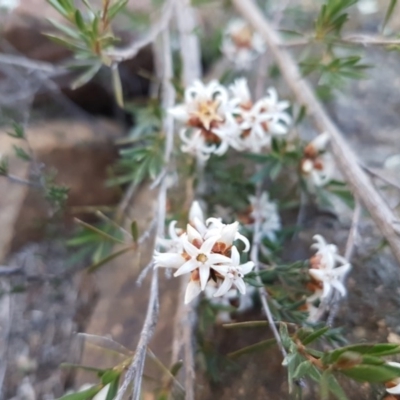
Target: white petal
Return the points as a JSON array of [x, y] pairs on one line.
[[207, 246], [189, 266], [172, 230], [192, 290], [317, 274], [235, 256], [228, 233], [192, 250], [221, 269], [244, 240], [193, 234], [102, 395], [179, 112], [196, 212], [204, 272], [224, 288], [394, 390], [218, 259], [326, 290], [342, 270], [240, 285], [168, 260], [199, 225], [338, 285], [321, 141], [247, 267]]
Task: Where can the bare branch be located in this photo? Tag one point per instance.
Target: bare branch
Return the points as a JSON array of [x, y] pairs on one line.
[[255, 249], [135, 371], [185, 317], [34, 65], [129, 52], [190, 47], [345, 158]]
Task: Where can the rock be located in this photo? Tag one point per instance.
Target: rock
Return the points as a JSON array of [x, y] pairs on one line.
[[79, 152]]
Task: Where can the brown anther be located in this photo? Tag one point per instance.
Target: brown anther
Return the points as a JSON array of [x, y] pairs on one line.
[[195, 275]]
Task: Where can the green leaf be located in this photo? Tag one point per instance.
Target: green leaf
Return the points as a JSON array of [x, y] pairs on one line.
[[302, 369], [377, 350], [372, 373], [99, 232], [116, 8], [55, 4], [105, 343], [86, 76], [335, 388], [18, 133], [389, 12], [95, 266], [283, 331], [83, 367], [113, 389], [265, 344], [315, 335], [109, 376], [3, 166], [247, 324], [21, 153], [324, 385], [65, 29], [80, 23], [135, 231], [84, 395]]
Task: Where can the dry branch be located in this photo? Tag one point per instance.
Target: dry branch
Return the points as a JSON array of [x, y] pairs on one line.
[[345, 158], [185, 318]]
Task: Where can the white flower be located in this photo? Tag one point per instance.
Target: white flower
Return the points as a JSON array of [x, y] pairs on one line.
[[201, 258], [259, 121], [241, 45], [205, 106], [331, 279], [323, 268], [233, 274], [328, 252], [196, 218], [317, 164], [174, 244], [227, 233], [395, 389], [267, 212], [196, 145]]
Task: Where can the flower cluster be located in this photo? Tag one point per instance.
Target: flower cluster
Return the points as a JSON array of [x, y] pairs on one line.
[[241, 45], [325, 275], [206, 251], [217, 118], [317, 164]]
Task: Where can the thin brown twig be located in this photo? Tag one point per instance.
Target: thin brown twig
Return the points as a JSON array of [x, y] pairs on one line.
[[345, 158]]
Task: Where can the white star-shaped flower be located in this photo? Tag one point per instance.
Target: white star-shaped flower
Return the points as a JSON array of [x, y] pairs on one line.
[[331, 279], [201, 258], [233, 274]]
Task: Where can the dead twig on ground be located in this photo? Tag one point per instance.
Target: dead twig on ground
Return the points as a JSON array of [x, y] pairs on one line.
[[345, 158]]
